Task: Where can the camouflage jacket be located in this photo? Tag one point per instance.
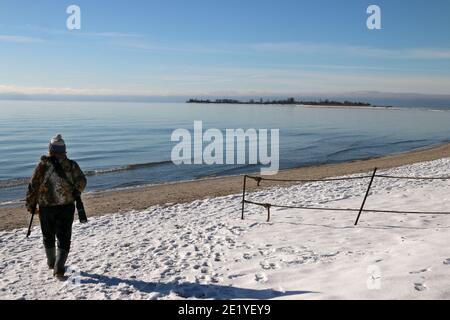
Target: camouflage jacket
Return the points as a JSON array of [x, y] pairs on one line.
[[47, 189]]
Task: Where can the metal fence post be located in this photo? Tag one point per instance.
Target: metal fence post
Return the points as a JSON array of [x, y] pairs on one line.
[[365, 197], [243, 196], [268, 212]]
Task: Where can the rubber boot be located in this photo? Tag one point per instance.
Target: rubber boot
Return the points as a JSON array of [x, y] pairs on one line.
[[60, 264], [51, 257]]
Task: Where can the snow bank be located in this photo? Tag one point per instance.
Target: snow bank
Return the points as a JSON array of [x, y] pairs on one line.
[[202, 250]]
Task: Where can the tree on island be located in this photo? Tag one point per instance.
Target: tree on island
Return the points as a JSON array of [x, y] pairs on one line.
[[288, 101]]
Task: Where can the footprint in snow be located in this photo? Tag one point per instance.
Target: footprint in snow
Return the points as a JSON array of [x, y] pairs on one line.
[[260, 277], [420, 271], [247, 256], [420, 287], [269, 265]]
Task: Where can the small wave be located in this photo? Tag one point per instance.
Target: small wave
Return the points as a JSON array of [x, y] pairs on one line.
[[12, 203], [371, 147], [304, 134], [344, 151], [126, 168], [11, 183], [406, 141], [306, 148], [227, 171], [17, 182]]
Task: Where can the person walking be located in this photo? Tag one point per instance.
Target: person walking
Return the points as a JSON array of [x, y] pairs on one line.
[[52, 187]]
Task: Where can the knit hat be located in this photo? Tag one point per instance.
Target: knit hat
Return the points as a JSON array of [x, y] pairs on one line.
[[57, 145]]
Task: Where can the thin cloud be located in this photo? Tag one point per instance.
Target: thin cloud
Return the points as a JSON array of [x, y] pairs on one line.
[[247, 80], [11, 89], [138, 42], [112, 34], [350, 50], [430, 54], [65, 32], [145, 46], [19, 39], [288, 48]]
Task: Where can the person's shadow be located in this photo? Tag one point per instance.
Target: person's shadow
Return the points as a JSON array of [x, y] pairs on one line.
[[190, 290]]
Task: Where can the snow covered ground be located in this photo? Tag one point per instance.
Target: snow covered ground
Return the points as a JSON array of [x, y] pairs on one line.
[[203, 250]]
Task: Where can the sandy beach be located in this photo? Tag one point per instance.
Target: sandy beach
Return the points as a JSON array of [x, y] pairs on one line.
[[141, 198]]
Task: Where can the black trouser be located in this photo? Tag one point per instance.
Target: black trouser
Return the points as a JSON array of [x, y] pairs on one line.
[[57, 222]]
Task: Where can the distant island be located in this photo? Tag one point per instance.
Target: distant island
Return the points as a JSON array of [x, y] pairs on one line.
[[288, 101]]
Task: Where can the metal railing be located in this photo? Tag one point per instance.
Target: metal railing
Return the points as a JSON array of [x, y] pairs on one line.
[[372, 177]]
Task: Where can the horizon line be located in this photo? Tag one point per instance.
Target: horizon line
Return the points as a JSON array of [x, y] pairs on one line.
[[373, 97]]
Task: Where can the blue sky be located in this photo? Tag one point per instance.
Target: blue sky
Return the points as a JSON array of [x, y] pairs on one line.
[[246, 47]]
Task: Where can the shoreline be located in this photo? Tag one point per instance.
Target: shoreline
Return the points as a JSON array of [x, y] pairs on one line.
[[143, 197], [348, 107]]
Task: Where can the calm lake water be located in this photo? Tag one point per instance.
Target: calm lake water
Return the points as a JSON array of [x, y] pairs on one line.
[[128, 144]]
